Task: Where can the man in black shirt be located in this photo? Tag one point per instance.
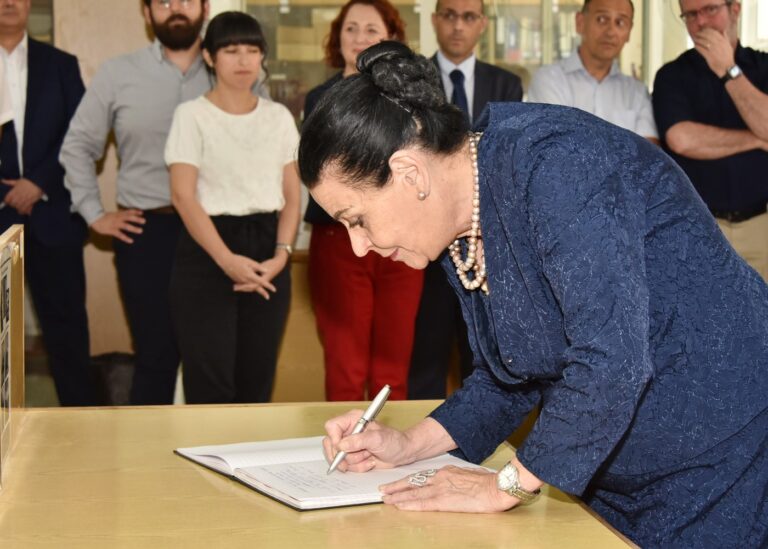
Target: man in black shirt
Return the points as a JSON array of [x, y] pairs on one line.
[[711, 108]]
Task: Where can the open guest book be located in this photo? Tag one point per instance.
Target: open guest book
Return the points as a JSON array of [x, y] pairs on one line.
[[293, 471]]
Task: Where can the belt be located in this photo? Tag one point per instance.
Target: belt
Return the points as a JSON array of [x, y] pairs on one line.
[[160, 210], [737, 216]]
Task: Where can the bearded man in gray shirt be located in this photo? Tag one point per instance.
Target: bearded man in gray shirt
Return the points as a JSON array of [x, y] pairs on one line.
[[136, 95]]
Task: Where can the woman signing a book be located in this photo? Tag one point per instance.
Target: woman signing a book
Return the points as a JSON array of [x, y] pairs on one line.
[[234, 183], [595, 284]]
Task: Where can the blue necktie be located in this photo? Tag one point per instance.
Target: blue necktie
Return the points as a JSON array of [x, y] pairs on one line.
[[459, 96]]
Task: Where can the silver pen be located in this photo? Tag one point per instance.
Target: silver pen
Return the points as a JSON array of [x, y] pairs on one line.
[[368, 416]]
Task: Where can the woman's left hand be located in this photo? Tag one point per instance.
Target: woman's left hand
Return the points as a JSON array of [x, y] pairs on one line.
[[269, 270], [452, 488]]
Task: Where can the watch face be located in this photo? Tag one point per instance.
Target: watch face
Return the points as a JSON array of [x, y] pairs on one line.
[[734, 71], [508, 477]]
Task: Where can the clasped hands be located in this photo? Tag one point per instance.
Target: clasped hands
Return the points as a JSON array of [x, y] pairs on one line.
[[457, 489], [23, 194], [253, 276]]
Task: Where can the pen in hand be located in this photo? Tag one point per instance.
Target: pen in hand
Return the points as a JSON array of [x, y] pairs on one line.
[[368, 416]]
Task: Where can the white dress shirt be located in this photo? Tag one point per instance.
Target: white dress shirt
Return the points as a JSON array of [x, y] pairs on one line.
[[6, 107], [467, 67], [618, 98], [16, 76]]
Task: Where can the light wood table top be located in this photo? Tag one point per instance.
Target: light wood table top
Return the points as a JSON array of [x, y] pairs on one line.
[[107, 477]]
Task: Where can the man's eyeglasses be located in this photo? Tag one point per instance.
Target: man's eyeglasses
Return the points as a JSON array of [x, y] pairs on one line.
[[469, 17], [710, 10], [166, 4]]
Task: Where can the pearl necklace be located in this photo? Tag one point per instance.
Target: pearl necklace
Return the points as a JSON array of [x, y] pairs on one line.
[[471, 264]]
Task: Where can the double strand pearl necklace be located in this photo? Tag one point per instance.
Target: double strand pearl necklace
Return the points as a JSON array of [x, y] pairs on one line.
[[464, 267]]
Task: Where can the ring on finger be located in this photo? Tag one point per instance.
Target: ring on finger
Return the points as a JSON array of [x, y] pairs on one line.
[[420, 479]]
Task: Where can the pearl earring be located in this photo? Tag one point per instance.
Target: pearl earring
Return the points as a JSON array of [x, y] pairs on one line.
[[422, 195]]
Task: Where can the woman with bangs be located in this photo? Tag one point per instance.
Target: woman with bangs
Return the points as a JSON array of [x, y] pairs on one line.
[[365, 307], [234, 183]]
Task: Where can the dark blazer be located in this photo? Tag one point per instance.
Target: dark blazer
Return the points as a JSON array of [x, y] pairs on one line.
[[54, 89], [492, 84]]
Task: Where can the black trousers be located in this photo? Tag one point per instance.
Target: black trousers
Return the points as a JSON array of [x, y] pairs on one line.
[[439, 325], [56, 277], [144, 273], [229, 340]]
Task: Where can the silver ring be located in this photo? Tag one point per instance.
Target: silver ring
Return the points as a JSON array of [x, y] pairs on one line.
[[420, 479], [417, 480]]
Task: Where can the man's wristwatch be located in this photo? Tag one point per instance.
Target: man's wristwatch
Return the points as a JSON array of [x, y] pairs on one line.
[[508, 480], [731, 74], [287, 247]]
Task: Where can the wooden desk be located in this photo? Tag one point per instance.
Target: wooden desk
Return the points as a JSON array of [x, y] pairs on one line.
[[95, 478]]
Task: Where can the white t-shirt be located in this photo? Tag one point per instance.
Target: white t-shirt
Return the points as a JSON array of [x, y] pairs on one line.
[[6, 107], [619, 99], [239, 157]]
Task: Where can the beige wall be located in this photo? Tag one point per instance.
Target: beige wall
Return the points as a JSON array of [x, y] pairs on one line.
[[96, 30]]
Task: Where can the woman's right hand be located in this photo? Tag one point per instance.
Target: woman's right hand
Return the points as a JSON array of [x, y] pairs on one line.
[[378, 447], [244, 270]]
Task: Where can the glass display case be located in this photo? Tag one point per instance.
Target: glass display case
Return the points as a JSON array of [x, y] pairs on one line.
[[521, 36], [41, 20], [296, 32]]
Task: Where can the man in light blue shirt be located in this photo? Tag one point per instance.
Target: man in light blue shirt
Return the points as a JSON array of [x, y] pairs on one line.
[[590, 79], [135, 96]]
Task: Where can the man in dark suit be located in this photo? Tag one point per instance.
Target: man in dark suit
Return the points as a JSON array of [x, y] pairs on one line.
[[469, 84], [45, 88]]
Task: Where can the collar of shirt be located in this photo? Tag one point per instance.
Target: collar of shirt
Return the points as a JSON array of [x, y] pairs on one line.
[[573, 63], [18, 57], [467, 66], [159, 53]]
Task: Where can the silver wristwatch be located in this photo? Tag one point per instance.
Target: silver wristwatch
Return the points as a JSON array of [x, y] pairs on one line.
[[508, 480], [731, 74]]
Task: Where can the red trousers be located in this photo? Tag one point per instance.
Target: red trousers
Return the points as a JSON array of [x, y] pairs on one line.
[[365, 309]]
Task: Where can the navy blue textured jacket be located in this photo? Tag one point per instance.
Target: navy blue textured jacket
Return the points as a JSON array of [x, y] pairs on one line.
[[617, 305]]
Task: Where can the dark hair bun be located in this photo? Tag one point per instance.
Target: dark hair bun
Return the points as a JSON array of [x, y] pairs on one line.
[[403, 75]]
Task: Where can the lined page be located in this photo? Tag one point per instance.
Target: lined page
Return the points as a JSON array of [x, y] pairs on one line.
[[228, 457]]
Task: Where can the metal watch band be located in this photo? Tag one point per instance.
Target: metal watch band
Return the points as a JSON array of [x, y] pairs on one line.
[[282, 246], [523, 495]]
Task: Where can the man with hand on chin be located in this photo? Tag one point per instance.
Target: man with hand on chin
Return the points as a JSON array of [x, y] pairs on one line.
[[135, 95], [711, 107]]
